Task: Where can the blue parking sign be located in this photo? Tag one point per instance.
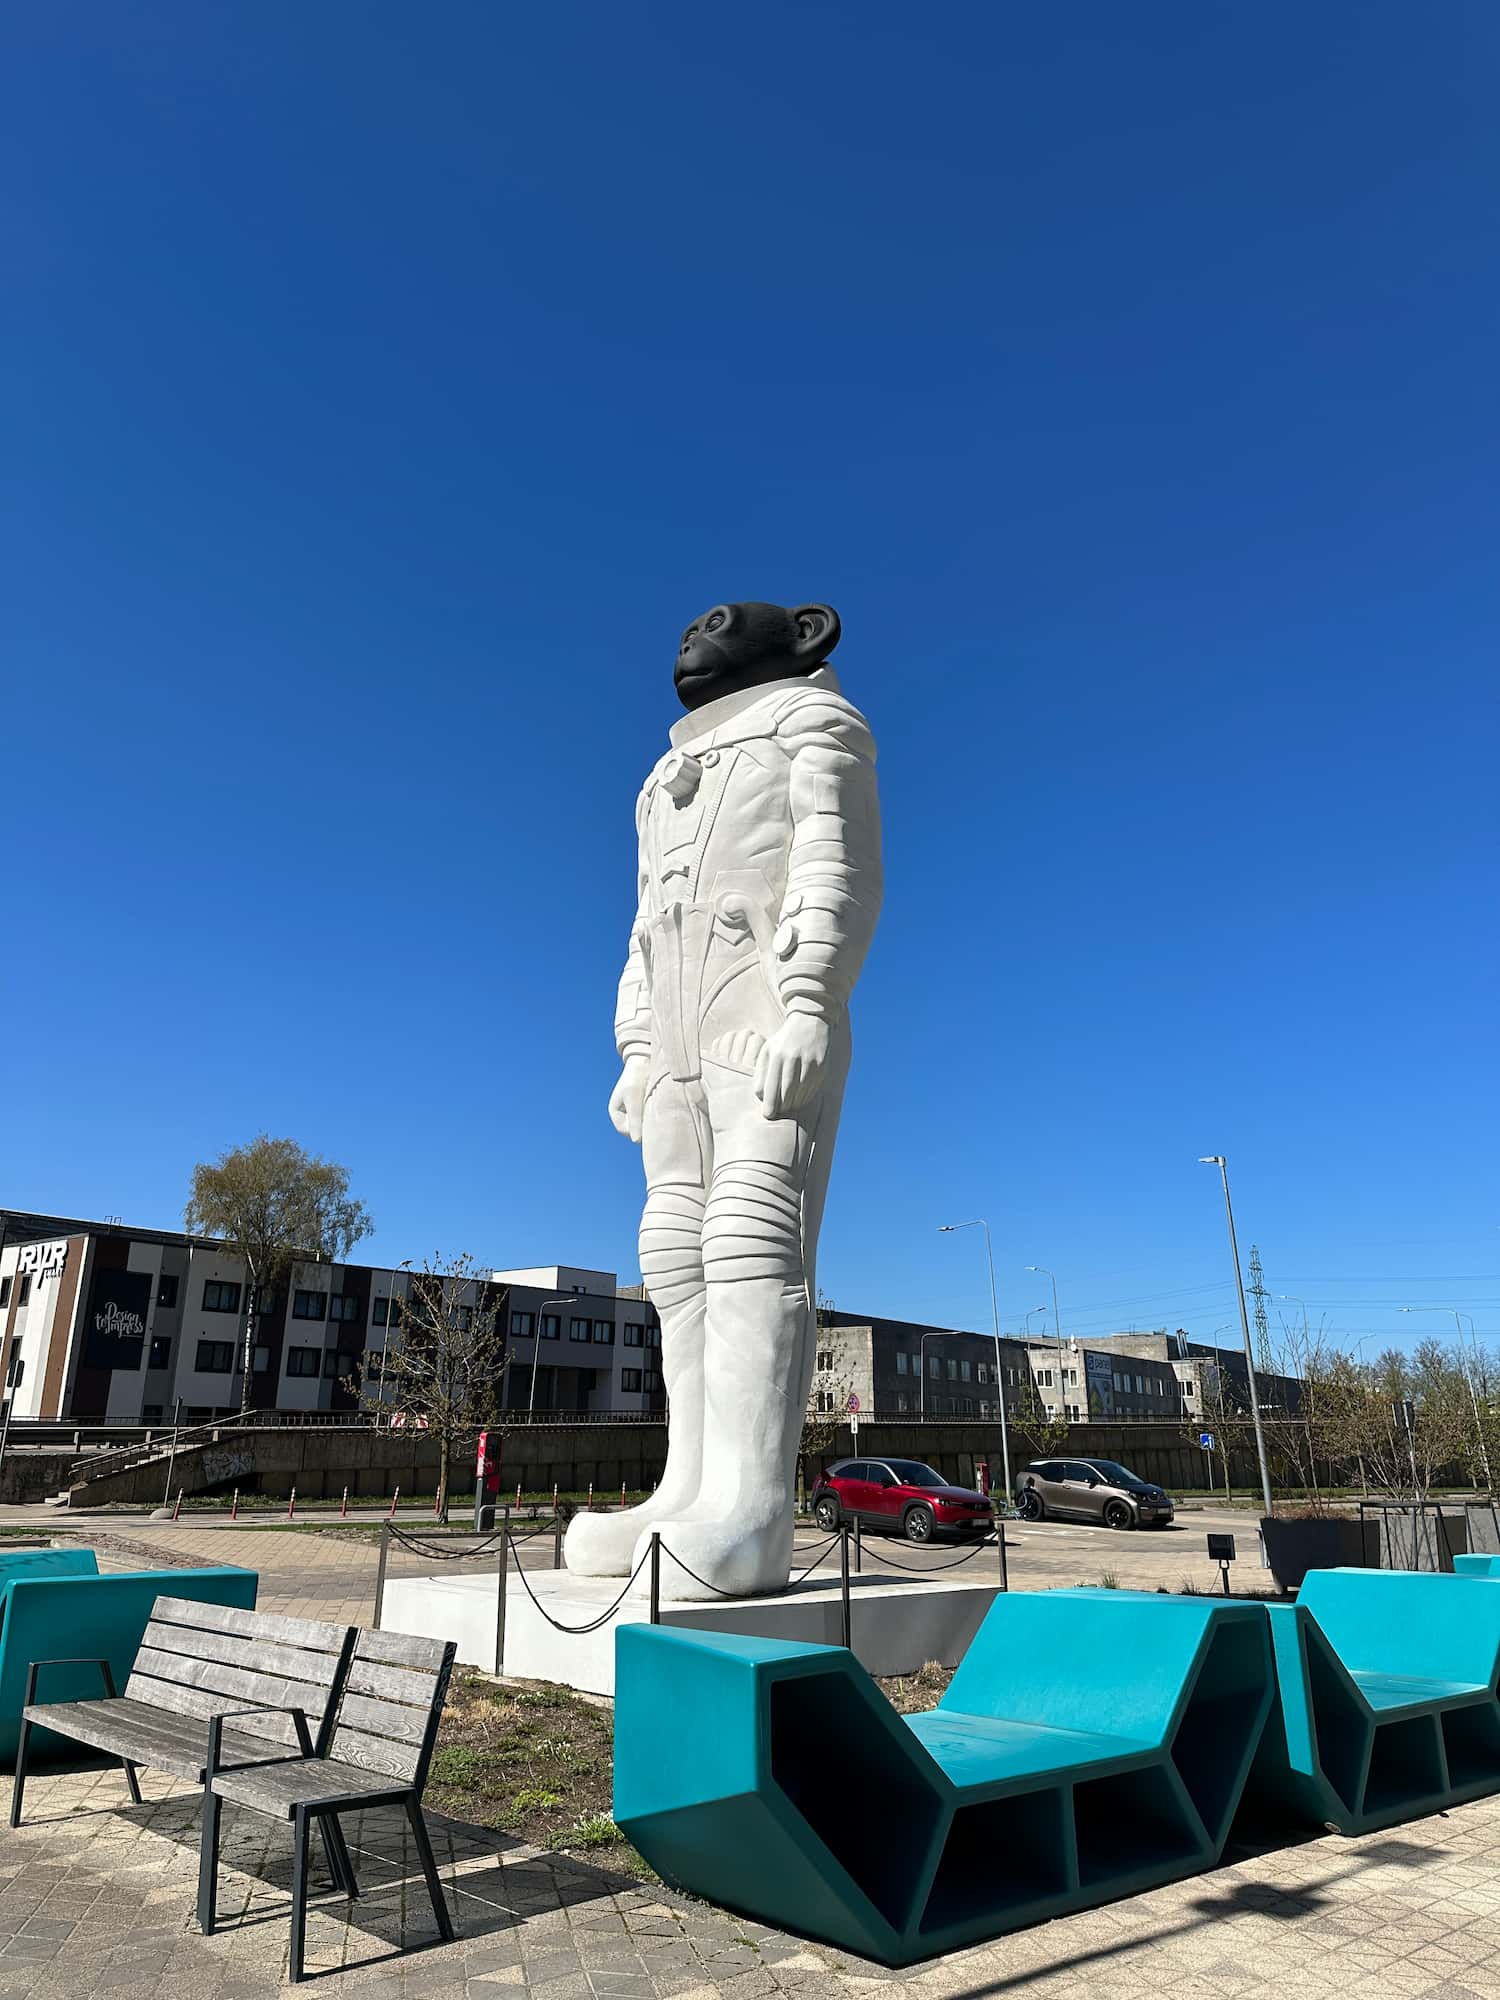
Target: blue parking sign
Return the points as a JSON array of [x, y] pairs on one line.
[[1206, 1439]]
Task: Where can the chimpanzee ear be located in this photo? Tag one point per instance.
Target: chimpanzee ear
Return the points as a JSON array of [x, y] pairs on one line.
[[817, 631]]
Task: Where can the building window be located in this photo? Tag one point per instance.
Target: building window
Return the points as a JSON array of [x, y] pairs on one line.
[[215, 1357], [4, 1291], [952, 1371], [343, 1306], [934, 1369], [635, 1334], [981, 1371], [522, 1325], [338, 1366], [903, 1361], [1115, 1383], [303, 1360], [825, 1362], [309, 1305], [161, 1352], [604, 1332], [968, 1406], [16, 1371], [964, 1371], [260, 1360], [374, 1365], [166, 1289], [219, 1297], [902, 1400], [267, 1300], [578, 1329], [25, 1292], [630, 1380], [653, 1336], [551, 1326], [381, 1312], [652, 1380]]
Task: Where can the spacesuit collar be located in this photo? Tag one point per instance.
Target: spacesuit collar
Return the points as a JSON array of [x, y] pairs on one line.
[[702, 721]]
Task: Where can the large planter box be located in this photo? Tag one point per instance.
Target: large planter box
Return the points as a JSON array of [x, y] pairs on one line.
[[1295, 1547]]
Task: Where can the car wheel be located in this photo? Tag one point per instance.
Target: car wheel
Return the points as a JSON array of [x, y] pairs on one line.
[[826, 1513], [1118, 1515], [1030, 1506], [918, 1524]]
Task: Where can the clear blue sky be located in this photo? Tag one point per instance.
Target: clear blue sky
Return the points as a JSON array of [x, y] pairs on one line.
[[386, 385]]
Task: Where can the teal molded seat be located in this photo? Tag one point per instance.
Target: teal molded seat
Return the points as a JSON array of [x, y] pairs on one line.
[[1476, 1565], [43, 1562], [775, 1777], [86, 1616], [1387, 1700]]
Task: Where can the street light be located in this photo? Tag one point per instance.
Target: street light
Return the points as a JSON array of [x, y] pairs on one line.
[[949, 1229], [536, 1344], [1034, 1309], [1458, 1320], [936, 1333], [1218, 1160], [1042, 1272]]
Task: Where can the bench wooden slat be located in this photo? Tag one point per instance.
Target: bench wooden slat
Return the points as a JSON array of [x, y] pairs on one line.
[[277, 1788], [307, 1632], [143, 1735], [264, 1655], [239, 1686], [390, 1683], [401, 1649], [175, 1697], [373, 1753], [383, 1718]]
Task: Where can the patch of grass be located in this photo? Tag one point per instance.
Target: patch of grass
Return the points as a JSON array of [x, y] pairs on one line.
[[1108, 1580], [914, 1694], [534, 1761]]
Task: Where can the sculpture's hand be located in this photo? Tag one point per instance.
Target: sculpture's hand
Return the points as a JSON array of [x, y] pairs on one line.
[[790, 1066], [628, 1099]]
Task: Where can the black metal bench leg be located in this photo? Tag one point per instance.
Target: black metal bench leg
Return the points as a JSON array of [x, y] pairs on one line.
[[19, 1787], [130, 1778], [339, 1865], [301, 1834], [208, 1863], [429, 1869]]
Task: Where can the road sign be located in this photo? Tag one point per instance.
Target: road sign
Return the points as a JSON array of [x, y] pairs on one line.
[[1206, 1439], [852, 1405]]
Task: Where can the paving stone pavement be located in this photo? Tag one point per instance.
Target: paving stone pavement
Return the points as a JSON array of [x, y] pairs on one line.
[[97, 1898]]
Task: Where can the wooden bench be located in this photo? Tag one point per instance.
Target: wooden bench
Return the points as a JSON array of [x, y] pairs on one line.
[[377, 1753], [199, 1664]]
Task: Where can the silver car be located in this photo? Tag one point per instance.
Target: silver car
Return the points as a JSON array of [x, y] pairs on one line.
[[1090, 1489]]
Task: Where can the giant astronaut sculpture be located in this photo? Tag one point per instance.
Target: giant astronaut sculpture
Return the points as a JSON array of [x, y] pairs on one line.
[[759, 887]]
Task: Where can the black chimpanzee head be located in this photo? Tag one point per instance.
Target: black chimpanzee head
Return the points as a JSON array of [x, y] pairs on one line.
[[737, 646]]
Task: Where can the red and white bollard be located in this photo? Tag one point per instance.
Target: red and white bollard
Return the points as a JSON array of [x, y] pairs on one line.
[[518, 1495], [234, 1505], [622, 1496], [291, 1506], [178, 1508], [394, 1498], [591, 1496], [344, 1508]]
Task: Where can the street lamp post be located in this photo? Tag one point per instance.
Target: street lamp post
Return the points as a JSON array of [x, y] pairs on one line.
[[948, 1229], [1057, 1332], [536, 1346], [936, 1333], [1218, 1160]]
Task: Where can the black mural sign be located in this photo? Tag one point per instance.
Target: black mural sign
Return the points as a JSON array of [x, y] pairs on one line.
[[115, 1324]]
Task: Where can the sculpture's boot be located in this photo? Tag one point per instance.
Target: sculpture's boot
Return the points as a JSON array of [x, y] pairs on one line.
[[672, 1266]]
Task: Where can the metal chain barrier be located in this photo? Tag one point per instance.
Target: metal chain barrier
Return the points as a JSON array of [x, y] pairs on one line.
[[594, 1623], [932, 1569]]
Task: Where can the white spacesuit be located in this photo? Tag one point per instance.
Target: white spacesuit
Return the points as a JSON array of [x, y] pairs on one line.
[[759, 887]]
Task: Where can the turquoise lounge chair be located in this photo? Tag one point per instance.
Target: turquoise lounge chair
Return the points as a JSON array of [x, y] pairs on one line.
[[1386, 1700], [81, 1617], [1092, 1744]]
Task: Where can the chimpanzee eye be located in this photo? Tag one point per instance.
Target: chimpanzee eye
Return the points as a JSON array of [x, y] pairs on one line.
[[714, 621]]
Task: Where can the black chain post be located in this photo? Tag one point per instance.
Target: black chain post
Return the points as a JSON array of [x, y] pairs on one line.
[[1000, 1544], [557, 1532], [844, 1581], [500, 1584], [385, 1550], [655, 1577], [859, 1548]]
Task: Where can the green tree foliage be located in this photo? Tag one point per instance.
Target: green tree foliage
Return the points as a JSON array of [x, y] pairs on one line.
[[273, 1204]]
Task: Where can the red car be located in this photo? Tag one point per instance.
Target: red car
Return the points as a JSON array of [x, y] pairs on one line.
[[899, 1494]]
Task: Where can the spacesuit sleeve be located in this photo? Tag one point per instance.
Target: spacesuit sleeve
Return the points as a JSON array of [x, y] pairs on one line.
[[834, 881], [632, 1002]]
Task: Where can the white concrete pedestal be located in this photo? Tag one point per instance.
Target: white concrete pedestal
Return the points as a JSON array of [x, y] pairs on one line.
[[899, 1623]]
